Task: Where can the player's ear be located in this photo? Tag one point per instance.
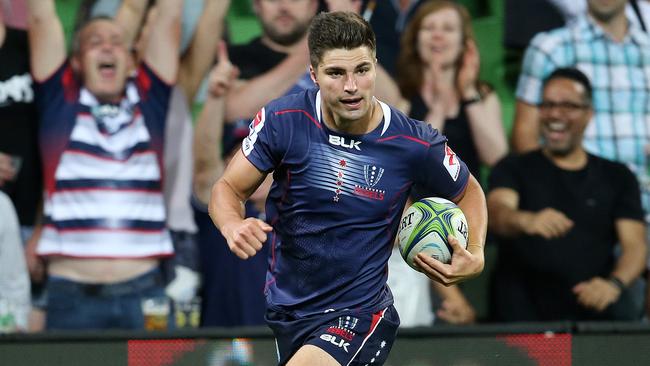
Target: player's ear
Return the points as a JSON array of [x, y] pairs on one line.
[[312, 74]]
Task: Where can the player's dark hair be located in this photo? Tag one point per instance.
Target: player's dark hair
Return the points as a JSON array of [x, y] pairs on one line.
[[338, 30], [573, 74]]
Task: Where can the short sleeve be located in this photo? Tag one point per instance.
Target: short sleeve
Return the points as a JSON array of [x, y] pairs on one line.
[[537, 64], [628, 202], [446, 175], [56, 89], [263, 146], [504, 175]]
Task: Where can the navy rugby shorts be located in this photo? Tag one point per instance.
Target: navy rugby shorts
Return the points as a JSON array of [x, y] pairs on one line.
[[351, 337]]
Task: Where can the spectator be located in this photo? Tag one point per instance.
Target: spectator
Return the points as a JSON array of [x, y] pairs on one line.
[[102, 141], [20, 175], [559, 211], [224, 275], [275, 63], [438, 74], [14, 278], [615, 55]]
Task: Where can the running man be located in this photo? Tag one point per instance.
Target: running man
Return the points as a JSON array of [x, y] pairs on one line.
[[343, 164]]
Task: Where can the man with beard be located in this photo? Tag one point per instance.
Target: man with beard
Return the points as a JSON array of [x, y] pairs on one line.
[[558, 212], [275, 63]]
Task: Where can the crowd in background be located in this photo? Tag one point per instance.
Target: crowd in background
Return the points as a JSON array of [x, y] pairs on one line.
[[106, 174]]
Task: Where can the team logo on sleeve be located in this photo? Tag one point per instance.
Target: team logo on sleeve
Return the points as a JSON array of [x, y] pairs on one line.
[[451, 163], [253, 131]]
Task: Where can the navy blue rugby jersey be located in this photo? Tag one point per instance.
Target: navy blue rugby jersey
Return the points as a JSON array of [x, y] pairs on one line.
[[337, 199]]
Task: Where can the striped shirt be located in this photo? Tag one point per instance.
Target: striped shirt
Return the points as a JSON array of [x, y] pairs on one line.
[[620, 77], [103, 170]]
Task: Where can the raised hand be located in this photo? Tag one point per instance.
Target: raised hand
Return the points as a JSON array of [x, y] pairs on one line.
[[223, 73]]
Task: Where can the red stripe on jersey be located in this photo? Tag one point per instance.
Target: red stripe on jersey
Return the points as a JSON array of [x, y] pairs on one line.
[[299, 111]]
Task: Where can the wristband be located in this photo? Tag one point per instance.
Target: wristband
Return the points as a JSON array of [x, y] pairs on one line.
[[475, 99], [618, 283]]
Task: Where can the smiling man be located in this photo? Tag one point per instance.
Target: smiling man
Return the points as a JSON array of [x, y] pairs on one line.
[[101, 135], [343, 164], [558, 213]]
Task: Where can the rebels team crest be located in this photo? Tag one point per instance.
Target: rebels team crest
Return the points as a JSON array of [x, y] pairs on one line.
[[372, 174]]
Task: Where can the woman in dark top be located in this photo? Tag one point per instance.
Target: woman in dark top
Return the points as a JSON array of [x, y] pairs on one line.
[[438, 74]]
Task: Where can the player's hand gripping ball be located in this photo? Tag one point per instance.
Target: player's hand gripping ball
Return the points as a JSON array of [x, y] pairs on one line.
[[425, 226]]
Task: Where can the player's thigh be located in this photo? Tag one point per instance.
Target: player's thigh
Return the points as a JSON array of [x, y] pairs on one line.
[[309, 355]]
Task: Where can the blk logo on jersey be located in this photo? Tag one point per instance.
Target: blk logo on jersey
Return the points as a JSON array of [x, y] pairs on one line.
[[451, 163], [343, 142], [341, 343]]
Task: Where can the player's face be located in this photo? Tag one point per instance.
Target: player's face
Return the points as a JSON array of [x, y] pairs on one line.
[[440, 38], [103, 59], [564, 115], [285, 21], [605, 10], [346, 79]]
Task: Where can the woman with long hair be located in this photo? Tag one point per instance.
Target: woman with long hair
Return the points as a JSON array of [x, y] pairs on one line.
[[438, 70]]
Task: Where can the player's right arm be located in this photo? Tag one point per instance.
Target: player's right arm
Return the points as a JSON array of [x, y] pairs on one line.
[[46, 38], [245, 236]]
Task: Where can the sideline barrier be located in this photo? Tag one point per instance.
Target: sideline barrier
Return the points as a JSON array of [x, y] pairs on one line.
[[489, 344]]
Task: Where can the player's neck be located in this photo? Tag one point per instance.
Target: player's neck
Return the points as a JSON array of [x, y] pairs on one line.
[[358, 126], [574, 160]]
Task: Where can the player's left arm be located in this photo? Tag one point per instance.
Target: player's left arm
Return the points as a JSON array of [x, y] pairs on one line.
[[161, 51], [598, 293], [465, 263]]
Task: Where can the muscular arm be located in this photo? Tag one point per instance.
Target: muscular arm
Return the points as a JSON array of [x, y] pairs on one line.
[[525, 130], [46, 38], [486, 125], [246, 97], [197, 60], [473, 205], [208, 164], [465, 263], [631, 263], [244, 236], [161, 51], [505, 218]]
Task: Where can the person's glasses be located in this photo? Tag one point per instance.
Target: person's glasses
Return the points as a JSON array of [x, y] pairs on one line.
[[564, 107]]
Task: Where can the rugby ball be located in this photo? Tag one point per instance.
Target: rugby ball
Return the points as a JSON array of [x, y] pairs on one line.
[[424, 227]]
